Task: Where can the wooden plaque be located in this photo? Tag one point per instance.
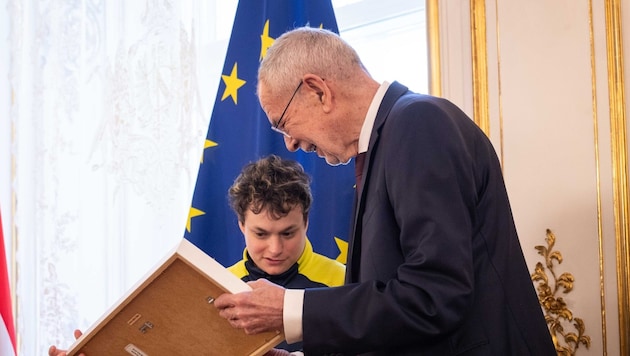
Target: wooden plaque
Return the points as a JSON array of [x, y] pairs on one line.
[[170, 312]]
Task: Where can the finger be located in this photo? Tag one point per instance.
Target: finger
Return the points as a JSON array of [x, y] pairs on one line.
[[54, 351], [224, 301], [261, 282], [235, 323], [226, 313], [77, 334]]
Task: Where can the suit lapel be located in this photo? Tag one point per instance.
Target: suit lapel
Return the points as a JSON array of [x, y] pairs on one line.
[[395, 91]]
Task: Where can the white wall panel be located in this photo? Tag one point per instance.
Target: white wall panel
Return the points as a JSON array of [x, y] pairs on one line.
[[550, 121]]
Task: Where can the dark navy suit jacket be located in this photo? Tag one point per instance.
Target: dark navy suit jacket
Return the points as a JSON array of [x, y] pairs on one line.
[[435, 266]]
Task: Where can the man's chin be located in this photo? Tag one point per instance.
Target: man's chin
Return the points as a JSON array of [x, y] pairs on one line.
[[274, 270], [334, 161]]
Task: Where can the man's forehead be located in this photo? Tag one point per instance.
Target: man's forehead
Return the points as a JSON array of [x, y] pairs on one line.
[[265, 98], [263, 91]]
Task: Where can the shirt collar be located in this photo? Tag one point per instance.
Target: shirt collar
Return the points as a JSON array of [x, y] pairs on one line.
[[368, 123]]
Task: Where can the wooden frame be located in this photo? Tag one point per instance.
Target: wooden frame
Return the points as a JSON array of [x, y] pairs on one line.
[[170, 312]]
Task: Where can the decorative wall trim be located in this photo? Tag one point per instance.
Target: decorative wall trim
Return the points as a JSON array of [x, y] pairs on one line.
[[557, 315], [479, 64], [618, 132], [433, 41], [600, 235]]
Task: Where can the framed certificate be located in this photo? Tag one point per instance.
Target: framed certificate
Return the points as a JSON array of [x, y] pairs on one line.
[[170, 312]]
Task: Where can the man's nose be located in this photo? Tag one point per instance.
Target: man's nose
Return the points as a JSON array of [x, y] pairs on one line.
[[275, 245], [291, 143]]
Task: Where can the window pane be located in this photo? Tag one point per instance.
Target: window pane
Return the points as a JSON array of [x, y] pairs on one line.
[[390, 37]]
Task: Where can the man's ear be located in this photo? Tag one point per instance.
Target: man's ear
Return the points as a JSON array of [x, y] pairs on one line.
[[320, 87]]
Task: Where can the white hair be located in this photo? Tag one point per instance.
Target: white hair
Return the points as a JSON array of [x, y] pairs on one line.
[[306, 50]]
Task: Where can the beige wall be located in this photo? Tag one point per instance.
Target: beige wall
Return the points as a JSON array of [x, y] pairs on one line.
[[542, 82]]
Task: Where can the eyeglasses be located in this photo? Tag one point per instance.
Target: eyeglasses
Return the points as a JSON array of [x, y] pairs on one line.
[[277, 128]]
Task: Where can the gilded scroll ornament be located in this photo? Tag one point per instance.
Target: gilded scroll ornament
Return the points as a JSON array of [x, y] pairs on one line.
[[556, 312]]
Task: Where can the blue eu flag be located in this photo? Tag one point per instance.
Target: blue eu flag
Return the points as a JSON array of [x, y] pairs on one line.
[[239, 133]]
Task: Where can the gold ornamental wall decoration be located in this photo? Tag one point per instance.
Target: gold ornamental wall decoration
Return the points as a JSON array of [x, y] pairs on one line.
[[557, 315]]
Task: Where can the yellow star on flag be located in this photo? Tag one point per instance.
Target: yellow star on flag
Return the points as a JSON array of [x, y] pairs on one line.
[[343, 250], [232, 84], [265, 41], [192, 214], [208, 144]]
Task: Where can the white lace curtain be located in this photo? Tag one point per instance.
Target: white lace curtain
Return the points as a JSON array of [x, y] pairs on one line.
[[110, 106]]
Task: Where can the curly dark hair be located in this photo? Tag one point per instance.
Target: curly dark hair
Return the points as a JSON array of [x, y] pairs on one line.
[[271, 183]]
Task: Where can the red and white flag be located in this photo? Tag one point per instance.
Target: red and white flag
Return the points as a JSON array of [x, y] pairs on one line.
[[7, 328]]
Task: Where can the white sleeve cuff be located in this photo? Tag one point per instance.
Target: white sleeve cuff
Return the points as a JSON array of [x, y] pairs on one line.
[[292, 315]]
